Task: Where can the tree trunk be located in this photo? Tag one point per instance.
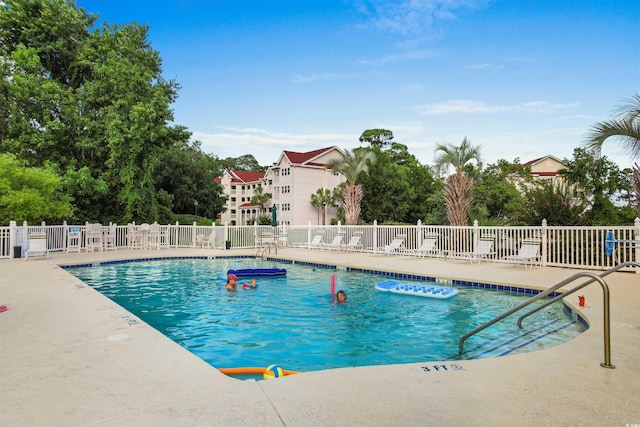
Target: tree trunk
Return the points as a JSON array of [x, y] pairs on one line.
[[458, 199], [351, 199]]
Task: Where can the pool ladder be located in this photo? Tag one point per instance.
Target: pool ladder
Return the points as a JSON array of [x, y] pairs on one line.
[[593, 278], [266, 248]]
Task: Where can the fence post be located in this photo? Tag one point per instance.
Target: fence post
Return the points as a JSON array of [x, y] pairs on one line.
[[636, 224], [13, 228], [226, 234], [476, 234], [543, 262], [64, 235], [419, 234], [374, 238]]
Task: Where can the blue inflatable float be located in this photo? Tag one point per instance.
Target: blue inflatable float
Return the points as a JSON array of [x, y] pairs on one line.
[[257, 272], [429, 291]]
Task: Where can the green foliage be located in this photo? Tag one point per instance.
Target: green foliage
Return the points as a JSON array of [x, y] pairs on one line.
[[495, 194], [377, 138], [244, 163], [30, 194], [555, 203], [264, 220], [187, 175], [90, 103]]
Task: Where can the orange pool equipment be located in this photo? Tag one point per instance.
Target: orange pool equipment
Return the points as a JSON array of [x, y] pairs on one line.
[[249, 371]]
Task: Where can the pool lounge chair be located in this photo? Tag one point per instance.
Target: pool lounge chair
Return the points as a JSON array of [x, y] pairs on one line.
[[528, 254], [483, 249], [337, 241], [395, 247], [354, 243], [428, 247], [316, 243]]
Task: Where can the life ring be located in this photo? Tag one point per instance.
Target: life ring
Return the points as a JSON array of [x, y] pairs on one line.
[[249, 371]]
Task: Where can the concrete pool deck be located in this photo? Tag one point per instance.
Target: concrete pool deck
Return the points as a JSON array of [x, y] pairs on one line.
[[71, 357]]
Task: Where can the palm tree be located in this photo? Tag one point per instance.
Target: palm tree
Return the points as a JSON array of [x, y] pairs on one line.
[[260, 198], [458, 190], [351, 166], [321, 198], [625, 127]]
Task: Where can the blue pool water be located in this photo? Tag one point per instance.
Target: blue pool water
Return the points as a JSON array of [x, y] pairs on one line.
[[291, 321]]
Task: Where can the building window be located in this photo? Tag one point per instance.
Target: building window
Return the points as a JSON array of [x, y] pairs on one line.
[[286, 189], [286, 172], [286, 207]]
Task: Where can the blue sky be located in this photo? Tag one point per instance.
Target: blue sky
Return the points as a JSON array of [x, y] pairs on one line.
[[521, 78]]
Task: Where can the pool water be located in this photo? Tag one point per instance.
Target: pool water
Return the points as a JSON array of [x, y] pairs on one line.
[[292, 322]]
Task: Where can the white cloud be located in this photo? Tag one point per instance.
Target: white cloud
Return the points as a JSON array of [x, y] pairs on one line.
[[299, 78], [477, 107], [265, 145]]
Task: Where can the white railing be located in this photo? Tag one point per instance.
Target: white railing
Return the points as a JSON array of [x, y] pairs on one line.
[[575, 247]]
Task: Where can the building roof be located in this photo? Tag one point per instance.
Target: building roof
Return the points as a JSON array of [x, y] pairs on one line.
[[541, 159], [307, 158], [245, 176]]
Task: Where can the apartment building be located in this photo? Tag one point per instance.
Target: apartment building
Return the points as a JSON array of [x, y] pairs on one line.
[[290, 181]]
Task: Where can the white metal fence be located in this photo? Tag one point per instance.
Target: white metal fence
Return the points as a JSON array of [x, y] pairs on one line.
[[576, 247]]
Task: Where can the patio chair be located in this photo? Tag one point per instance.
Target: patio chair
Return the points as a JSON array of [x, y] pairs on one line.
[[134, 237], [153, 236], [428, 247], [483, 249], [394, 247], [198, 241], [314, 244], [94, 237], [210, 243], [337, 241], [528, 254], [110, 238], [73, 239], [354, 242], [37, 245]]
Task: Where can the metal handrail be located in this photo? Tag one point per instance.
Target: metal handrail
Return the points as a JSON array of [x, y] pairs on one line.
[[594, 277], [577, 288]]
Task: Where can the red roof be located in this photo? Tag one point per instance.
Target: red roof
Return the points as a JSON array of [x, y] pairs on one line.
[[245, 176], [300, 158]]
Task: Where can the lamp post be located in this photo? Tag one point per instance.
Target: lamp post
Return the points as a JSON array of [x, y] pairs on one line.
[[195, 203], [324, 213]]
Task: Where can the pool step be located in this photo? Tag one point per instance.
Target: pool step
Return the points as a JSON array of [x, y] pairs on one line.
[[519, 341]]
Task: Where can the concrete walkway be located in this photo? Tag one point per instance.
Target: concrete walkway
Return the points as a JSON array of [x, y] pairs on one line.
[[71, 357]]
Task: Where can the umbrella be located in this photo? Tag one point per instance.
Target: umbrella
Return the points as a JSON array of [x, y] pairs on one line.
[[274, 216], [609, 243]]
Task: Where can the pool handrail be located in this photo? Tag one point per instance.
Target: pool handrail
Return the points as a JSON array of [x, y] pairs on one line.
[[594, 277], [577, 288]]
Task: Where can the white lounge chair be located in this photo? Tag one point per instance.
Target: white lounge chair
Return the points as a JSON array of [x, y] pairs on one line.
[[428, 247], [37, 245], [314, 244], [210, 243], [395, 246], [354, 242], [483, 250], [528, 254], [337, 241]]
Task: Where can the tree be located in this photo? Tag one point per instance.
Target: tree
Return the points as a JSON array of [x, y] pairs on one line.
[[260, 198], [89, 102], [244, 163], [322, 198], [497, 199], [458, 189], [625, 127], [377, 137], [30, 194], [595, 179], [352, 165]]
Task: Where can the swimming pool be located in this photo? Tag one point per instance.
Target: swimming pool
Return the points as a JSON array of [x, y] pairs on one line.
[[291, 321]]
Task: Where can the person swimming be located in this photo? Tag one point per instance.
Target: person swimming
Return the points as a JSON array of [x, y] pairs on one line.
[[232, 282], [341, 297]]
